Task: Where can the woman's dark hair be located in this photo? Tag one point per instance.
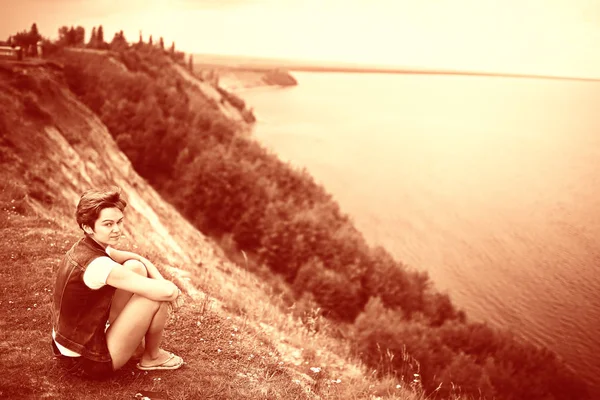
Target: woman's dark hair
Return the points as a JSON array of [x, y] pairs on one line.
[[93, 201]]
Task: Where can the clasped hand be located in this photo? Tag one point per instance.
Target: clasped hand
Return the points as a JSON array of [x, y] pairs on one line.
[[176, 304]]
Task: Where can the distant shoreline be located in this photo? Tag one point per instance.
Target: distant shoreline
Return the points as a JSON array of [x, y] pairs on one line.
[[236, 79], [233, 64], [433, 72]]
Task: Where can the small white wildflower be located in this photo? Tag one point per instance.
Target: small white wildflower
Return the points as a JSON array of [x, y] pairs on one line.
[[35, 305], [228, 317], [233, 334], [219, 350], [28, 308], [198, 323], [296, 381], [416, 374], [398, 386], [316, 370]]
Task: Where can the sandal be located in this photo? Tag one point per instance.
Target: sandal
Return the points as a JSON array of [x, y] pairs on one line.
[[173, 362]]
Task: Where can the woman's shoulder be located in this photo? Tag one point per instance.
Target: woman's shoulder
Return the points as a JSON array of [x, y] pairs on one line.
[[83, 252]]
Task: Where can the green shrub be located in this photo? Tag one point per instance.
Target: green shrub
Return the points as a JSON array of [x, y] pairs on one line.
[[338, 297]]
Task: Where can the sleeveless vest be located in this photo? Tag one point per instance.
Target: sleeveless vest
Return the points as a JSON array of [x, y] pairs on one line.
[[79, 314]]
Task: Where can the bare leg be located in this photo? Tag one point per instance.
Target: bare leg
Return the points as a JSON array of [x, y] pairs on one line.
[[152, 352], [122, 297], [141, 317], [133, 319]]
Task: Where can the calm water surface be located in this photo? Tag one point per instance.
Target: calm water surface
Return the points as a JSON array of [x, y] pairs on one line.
[[492, 185]]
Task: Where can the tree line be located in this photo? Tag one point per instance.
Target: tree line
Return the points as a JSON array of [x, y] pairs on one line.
[[75, 36]]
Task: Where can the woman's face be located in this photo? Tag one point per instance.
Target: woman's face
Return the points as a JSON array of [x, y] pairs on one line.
[[108, 227]]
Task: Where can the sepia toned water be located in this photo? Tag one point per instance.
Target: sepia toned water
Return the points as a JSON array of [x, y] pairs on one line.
[[492, 185]]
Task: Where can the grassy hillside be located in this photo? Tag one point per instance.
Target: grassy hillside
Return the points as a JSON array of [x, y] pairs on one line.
[[238, 339], [292, 233], [227, 356]]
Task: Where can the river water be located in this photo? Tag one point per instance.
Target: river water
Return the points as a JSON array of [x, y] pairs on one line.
[[492, 185]]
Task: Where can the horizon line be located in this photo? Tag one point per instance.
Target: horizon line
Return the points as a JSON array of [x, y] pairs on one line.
[[330, 66]]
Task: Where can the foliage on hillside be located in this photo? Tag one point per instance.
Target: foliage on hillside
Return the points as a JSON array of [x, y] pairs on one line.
[[229, 186], [237, 339]]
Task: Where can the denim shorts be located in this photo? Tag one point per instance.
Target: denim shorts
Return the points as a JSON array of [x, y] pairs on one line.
[[84, 367]]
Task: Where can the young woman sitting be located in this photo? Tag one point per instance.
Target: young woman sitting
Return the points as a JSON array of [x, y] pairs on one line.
[[108, 303]]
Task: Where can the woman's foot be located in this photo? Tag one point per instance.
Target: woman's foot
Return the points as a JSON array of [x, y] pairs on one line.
[[164, 361]]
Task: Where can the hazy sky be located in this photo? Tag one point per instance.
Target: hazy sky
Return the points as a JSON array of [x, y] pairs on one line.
[[529, 36]]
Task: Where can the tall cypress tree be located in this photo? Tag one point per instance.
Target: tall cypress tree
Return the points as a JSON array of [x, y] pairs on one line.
[[34, 37], [100, 36], [93, 43]]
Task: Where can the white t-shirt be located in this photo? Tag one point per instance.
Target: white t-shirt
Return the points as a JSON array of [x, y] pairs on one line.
[[94, 277]]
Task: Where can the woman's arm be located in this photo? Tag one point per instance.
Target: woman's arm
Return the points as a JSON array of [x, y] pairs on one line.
[[154, 289], [121, 256]]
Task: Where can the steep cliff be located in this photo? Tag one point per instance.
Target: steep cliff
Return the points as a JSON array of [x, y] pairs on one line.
[[236, 340], [53, 147]]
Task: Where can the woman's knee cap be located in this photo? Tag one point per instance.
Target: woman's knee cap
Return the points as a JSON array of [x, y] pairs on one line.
[[136, 266], [149, 303]]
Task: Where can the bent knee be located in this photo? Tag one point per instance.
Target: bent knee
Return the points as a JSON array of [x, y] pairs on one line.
[[136, 266], [146, 303]]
